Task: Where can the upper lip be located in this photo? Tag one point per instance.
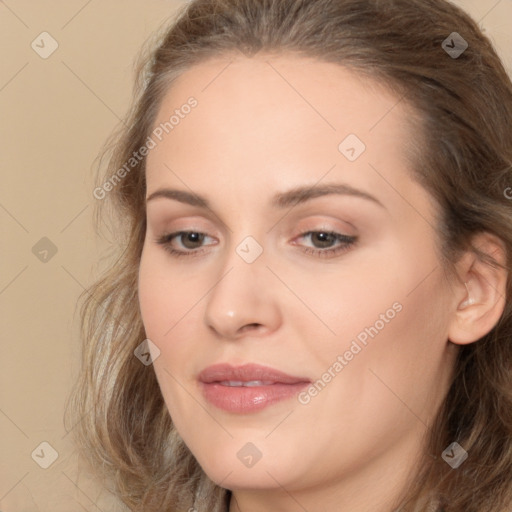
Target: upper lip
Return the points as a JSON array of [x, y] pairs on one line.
[[247, 373]]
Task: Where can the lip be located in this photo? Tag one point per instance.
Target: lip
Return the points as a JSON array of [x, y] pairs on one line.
[[276, 386]]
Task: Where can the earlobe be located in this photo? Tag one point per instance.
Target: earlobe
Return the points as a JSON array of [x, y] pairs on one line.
[[480, 295]]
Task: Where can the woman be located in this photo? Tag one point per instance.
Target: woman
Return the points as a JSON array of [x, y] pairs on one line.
[[312, 307]]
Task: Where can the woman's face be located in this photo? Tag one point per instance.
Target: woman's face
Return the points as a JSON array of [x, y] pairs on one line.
[[359, 308]]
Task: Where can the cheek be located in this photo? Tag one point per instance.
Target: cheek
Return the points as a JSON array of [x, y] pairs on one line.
[[395, 358], [163, 294], [391, 319], [161, 303], [169, 301], [389, 388]]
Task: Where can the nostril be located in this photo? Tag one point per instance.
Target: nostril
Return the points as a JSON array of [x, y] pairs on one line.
[[250, 326]]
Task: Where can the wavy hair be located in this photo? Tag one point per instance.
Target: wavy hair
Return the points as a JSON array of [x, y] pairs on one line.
[[464, 160]]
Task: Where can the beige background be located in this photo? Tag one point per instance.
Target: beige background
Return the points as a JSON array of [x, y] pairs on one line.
[[56, 113]]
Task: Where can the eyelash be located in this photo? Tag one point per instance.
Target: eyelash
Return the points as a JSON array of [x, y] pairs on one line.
[[347, 243]]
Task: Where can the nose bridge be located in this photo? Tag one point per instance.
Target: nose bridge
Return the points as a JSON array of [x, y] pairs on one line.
[[242, 295]]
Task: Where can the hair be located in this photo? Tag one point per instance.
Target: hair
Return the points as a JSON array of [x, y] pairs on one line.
[[464, 160]]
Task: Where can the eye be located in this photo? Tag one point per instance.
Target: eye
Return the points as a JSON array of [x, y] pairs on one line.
[[323, 243], [189, 240]]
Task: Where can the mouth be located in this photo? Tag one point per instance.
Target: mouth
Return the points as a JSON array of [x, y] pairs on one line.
[[247, 388]]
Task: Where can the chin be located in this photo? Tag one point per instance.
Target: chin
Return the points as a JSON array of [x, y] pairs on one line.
[[243, 478], [232, 468]]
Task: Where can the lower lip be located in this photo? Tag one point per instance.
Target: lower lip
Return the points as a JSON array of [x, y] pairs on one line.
[[244, 399]]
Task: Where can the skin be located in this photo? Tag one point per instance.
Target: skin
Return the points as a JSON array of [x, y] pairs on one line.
[[261, 128]]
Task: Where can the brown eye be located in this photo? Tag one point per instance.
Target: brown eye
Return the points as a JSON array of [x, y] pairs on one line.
[[327, 243], [322, 240], [184, 243], [190, 239]]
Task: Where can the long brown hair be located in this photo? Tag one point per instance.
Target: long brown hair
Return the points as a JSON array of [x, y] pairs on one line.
[[463, 158]]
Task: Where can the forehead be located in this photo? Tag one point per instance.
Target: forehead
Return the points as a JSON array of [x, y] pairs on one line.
[[279, 121], [329, 97]]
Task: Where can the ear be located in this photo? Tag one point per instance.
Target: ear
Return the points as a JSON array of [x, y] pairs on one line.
[[480, 292]]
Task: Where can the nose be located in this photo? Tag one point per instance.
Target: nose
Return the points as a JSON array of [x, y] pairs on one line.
[[243, 300]]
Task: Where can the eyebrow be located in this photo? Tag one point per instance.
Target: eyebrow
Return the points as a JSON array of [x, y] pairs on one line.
[[281, 200]]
